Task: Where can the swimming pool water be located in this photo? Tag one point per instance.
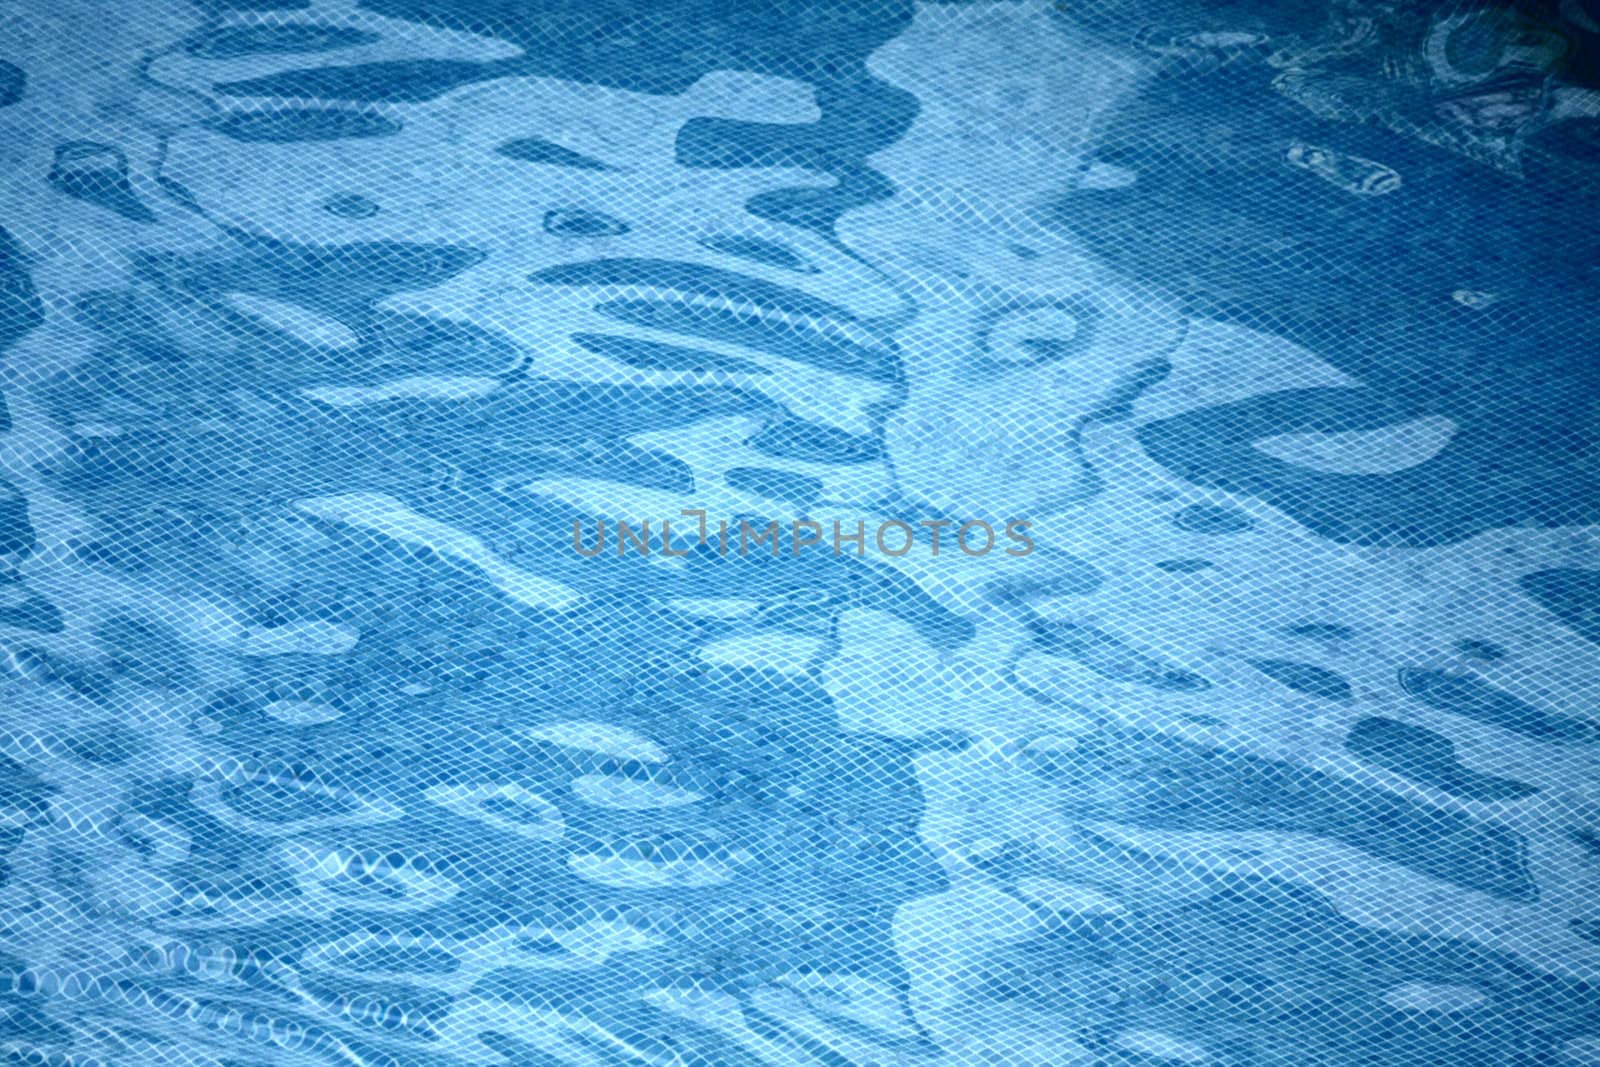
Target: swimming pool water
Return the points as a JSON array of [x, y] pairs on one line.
[[341, 721]]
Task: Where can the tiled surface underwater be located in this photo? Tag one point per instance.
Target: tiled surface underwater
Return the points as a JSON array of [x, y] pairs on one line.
[[322, 320]]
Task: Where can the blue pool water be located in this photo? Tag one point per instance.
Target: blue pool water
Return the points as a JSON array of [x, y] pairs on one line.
[[339, 339]]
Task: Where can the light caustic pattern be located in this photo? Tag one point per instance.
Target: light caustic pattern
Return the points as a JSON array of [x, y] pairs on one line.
[[322, 321]]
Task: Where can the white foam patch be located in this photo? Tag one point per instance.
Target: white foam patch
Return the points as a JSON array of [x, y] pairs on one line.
[[1476, 299]]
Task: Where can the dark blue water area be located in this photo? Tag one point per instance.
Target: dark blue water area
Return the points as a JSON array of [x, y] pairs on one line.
[[389, 396]]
